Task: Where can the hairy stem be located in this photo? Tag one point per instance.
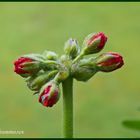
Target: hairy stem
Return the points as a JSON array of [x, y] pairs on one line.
[[68, 107]]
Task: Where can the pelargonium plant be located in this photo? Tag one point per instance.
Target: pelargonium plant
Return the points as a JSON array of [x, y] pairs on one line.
[[45, 72]]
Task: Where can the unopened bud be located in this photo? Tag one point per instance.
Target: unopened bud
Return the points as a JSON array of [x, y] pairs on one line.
[[49, 94], [108, 62], [84, 69], [72, 48], [36, 82], [94, 43], [26, 66]]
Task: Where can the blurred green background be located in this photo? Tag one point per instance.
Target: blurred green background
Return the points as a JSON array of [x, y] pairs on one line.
[[102, 103]]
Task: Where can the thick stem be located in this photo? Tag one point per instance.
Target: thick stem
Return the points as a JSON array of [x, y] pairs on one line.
[[68, 107]]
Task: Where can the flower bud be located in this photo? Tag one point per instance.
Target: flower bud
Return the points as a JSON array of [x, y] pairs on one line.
[[35, 82], [94, 43], [49, 55], [26, 66], [50, 94], [108, 62], [84, 69], [72, 48]]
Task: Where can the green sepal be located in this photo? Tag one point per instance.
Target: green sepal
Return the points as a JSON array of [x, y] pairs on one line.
[[31, 66], [35, 57]]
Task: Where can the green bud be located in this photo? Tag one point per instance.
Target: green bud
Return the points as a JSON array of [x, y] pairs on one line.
[[50, 55], [72, 48], [84, 69], [37, 81]]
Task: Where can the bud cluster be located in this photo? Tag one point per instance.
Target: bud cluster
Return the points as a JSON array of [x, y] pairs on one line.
[[44, 72]]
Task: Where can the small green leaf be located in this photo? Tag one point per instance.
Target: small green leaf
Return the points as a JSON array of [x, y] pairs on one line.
[[132, 124]]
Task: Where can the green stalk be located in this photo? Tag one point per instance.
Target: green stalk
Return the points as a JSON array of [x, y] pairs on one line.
[[68, 107], [78, 57]]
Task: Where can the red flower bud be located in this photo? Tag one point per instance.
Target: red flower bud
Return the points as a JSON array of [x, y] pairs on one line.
[[25, 66], [50, 95], [110, 61], [94, 43]]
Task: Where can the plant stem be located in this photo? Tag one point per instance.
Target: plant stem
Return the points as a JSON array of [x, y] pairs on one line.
[[78, 57], [68, 107]]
